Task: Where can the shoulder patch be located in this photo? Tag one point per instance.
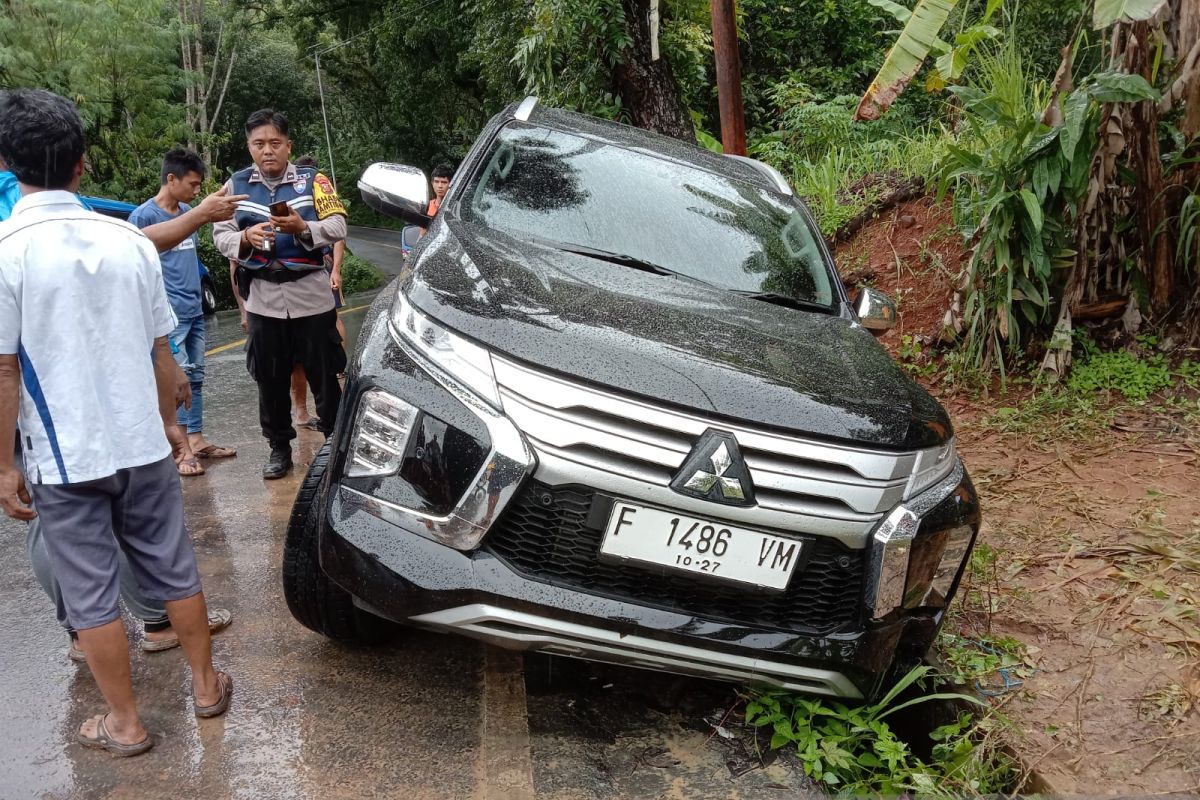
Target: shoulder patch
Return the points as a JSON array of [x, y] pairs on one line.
[[325, 199]]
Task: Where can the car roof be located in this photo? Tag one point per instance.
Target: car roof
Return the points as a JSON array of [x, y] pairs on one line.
[[657, 144], [109, 208]]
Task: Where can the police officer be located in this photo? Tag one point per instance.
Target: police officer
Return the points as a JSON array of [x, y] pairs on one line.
[[277, 237]]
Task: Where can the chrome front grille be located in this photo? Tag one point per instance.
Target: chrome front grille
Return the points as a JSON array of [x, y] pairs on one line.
[[800, 484]]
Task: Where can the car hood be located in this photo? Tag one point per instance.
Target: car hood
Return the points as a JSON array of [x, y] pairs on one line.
[[671, 340]]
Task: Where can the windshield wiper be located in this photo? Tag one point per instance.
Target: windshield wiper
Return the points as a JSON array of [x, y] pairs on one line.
[[782, 300], [619, 258]]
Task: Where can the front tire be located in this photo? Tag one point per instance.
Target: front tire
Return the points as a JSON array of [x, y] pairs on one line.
[[315, 601], [208, 297]]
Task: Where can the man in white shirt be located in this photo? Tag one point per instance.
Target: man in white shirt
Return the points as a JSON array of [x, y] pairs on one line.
[[84, 318]]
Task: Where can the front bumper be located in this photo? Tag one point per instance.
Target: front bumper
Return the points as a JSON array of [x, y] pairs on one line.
[[385, 557], [414, 580]]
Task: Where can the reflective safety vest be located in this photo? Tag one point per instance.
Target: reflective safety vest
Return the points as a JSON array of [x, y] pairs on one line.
[[296, 190]]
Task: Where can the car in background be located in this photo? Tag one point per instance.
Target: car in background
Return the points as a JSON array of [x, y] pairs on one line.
[[122, 210], [408, 239]]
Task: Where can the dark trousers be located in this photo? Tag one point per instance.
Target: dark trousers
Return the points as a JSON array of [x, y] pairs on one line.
[[275, 347]]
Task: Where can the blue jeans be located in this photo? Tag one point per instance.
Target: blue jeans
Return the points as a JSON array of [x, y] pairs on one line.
[[189, 339]]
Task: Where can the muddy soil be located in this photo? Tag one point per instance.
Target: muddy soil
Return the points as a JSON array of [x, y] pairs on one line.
[[1096, 544], [913, 253], [1097, 573]]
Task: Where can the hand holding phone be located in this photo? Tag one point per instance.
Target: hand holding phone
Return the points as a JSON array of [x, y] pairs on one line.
[[285, 219]]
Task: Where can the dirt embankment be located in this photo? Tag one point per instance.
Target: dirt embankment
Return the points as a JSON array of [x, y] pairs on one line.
[[1089, 556]]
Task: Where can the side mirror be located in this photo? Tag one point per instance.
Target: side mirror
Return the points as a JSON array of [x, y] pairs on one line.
[[875, 310], [396, 191]]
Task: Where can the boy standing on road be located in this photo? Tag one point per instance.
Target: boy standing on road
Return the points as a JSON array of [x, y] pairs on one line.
[[85, 366], [183, 173]]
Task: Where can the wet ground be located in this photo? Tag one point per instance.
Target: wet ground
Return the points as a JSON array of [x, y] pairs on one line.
[[427, 716]]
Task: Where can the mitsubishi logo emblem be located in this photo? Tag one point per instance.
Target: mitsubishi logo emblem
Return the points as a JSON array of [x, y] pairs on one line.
[[703, 481], [715, 471]]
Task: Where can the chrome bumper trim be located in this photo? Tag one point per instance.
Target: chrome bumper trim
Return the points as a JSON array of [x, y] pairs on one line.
[[501, 475], [523, 631], [891, 545]]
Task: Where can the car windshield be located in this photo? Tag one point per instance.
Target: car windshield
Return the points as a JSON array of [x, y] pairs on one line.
[[590, 196]]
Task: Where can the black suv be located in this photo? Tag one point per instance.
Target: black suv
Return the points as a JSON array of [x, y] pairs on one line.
[[621, 408]]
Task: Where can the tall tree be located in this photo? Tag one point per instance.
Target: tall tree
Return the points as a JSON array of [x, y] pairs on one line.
[[584, 54], [116, 60], [204, 98]]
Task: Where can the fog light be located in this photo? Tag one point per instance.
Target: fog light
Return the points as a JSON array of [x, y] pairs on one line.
[[935, 561], [380, 437]]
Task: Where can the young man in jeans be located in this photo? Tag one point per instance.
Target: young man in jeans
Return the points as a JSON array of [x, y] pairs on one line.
[[183, 173], [86, 369]]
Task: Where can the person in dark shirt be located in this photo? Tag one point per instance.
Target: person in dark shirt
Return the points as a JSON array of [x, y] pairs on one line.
[[183, 173]]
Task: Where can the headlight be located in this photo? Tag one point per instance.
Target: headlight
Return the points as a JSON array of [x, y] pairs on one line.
[[932, 465], [381, 432], [462, 360], [934, 564]]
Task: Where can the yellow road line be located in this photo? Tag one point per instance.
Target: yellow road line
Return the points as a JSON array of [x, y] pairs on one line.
[[241, 342]]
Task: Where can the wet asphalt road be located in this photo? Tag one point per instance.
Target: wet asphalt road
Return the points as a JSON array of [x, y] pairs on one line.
[[426, 716], [380, 247]]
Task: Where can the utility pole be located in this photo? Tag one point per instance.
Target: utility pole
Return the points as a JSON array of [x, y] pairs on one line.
[[729, 77]]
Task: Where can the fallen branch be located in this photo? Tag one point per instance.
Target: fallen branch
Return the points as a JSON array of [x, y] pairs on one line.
[[1099, 311]]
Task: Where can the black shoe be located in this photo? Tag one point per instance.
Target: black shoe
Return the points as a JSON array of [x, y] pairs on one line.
[[279, 464]]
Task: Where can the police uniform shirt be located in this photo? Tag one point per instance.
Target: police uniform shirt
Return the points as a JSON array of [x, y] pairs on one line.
[[303, 297]]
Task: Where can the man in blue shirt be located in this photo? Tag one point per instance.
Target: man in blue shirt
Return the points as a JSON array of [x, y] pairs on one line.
[[182, 174]]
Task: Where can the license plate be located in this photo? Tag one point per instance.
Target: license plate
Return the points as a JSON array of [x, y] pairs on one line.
[[704, 547]]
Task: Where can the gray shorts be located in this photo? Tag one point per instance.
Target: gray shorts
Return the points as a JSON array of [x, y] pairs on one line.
[[139, 510]]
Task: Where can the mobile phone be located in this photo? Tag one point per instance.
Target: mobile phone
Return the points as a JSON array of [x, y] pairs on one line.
[[280, 209]]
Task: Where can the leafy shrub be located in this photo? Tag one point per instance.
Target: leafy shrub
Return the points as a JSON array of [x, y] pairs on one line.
[[360, 275], [1121, 371], [971, 660], [832, 161], [852, 750], [1017, 185]]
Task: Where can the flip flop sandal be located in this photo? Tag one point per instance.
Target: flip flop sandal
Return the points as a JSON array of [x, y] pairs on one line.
[[218, 620], [103, 740], [76, 654], [193, 464], [222, 705], [216, 451], [312, 424]]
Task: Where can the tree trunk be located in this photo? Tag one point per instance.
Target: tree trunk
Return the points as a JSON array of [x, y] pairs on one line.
[[185, 47], [647, 88], [203, 74], [1145, 159], [1189, 38]]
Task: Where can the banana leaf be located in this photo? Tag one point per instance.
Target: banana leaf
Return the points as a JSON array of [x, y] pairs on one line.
[[905, 58], [1109, 11]]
